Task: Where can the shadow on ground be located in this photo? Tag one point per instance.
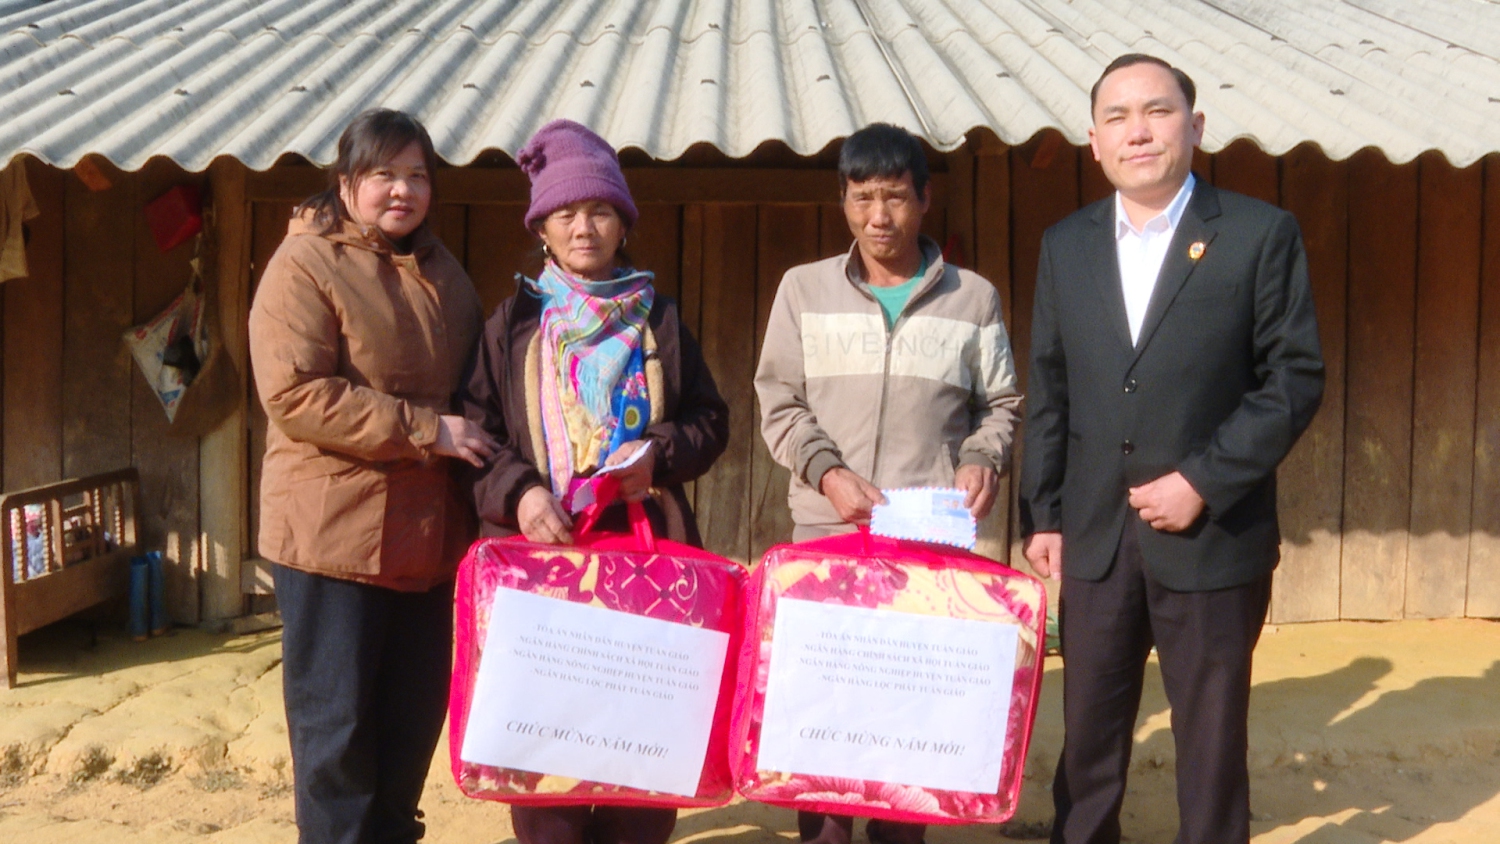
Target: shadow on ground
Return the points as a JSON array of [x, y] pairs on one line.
[[83, 647], [1433, 747]]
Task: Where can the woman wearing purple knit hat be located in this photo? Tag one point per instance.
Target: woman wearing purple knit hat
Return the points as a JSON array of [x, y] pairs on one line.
[[581, 368]]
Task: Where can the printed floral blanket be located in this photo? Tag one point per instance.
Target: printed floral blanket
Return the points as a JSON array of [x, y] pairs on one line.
[[674, 583], [904, 577]]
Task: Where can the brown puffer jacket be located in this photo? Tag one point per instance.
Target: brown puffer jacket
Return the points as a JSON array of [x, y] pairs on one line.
[[357, 350], [689, 426]]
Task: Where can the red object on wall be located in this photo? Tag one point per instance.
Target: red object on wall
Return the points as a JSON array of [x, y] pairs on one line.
[[953, 251], [175, 216]]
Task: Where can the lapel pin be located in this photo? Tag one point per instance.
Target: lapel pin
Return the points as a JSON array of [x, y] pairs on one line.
[[1196, 250]]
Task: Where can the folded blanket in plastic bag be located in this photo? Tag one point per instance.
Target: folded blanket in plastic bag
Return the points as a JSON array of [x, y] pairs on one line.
[[888, 679], [597, 673]]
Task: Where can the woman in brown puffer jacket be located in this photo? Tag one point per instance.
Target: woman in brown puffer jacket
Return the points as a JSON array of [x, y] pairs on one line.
[[361, 326]]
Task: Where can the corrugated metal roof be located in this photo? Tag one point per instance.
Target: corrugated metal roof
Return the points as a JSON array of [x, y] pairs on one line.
[[253, 79]]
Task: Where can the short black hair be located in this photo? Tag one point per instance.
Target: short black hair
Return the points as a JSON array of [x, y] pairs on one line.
[[1184, 81], [882, 151]]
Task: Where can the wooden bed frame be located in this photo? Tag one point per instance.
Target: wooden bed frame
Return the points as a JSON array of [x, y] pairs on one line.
[[82, 567]]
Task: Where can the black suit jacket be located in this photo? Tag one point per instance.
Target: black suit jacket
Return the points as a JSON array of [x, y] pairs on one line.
[[1226, 375]]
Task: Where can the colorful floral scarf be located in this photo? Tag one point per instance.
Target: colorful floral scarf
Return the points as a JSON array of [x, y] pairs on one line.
[[592, 338]]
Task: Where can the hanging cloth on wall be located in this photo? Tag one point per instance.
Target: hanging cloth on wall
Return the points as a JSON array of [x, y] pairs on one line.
[[183, 361], [171, 347], [16, 207]]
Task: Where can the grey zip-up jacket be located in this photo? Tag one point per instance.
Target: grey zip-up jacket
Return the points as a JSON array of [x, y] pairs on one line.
[[904, 406]]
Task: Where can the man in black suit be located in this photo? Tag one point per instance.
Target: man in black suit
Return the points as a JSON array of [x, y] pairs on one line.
[[1174, 362]]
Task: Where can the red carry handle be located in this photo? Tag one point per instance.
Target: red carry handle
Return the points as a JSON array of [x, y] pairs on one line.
[[640, 525], [606, 494], [871, 542]]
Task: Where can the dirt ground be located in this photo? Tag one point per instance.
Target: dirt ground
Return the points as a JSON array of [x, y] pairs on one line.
[[1360, 733]]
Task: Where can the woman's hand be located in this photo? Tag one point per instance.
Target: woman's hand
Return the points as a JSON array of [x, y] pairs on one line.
[[635, 480], [542, 518], [458, 437]]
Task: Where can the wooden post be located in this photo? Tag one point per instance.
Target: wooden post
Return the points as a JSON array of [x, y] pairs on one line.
[[222, 470]]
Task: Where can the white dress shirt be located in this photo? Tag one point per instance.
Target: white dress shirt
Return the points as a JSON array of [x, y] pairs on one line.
[[1142, 251]]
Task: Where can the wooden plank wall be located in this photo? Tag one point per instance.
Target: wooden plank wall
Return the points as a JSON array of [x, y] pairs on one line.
[[1443, 409], [168, 464], [1483, 597], [1390, 503], [1379, 376], [33, 378], [74, 401], [1311, 481]]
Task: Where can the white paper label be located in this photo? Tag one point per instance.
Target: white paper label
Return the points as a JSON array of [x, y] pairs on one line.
[[597, 694], [635, 457], [887, 696], [926, 514]]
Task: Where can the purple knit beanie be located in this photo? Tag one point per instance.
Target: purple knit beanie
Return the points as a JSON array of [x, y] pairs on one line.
[[568, 163]]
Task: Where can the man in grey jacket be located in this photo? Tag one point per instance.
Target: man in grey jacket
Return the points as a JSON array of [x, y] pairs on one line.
[[882, 368]]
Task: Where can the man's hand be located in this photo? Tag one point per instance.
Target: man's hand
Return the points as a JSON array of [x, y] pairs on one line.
[[1168, 503], [458, 437], [1044, 552], [982, 484], [851, 495], [635, 480], [542, 518]]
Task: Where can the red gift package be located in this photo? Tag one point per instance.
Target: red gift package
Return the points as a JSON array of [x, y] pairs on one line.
[[887, 679], [596, 673]]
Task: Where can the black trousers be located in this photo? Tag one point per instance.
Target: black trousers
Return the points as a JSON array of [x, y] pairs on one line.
[[592, 824], [839, 829], [1204, 642], [365, 676]]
